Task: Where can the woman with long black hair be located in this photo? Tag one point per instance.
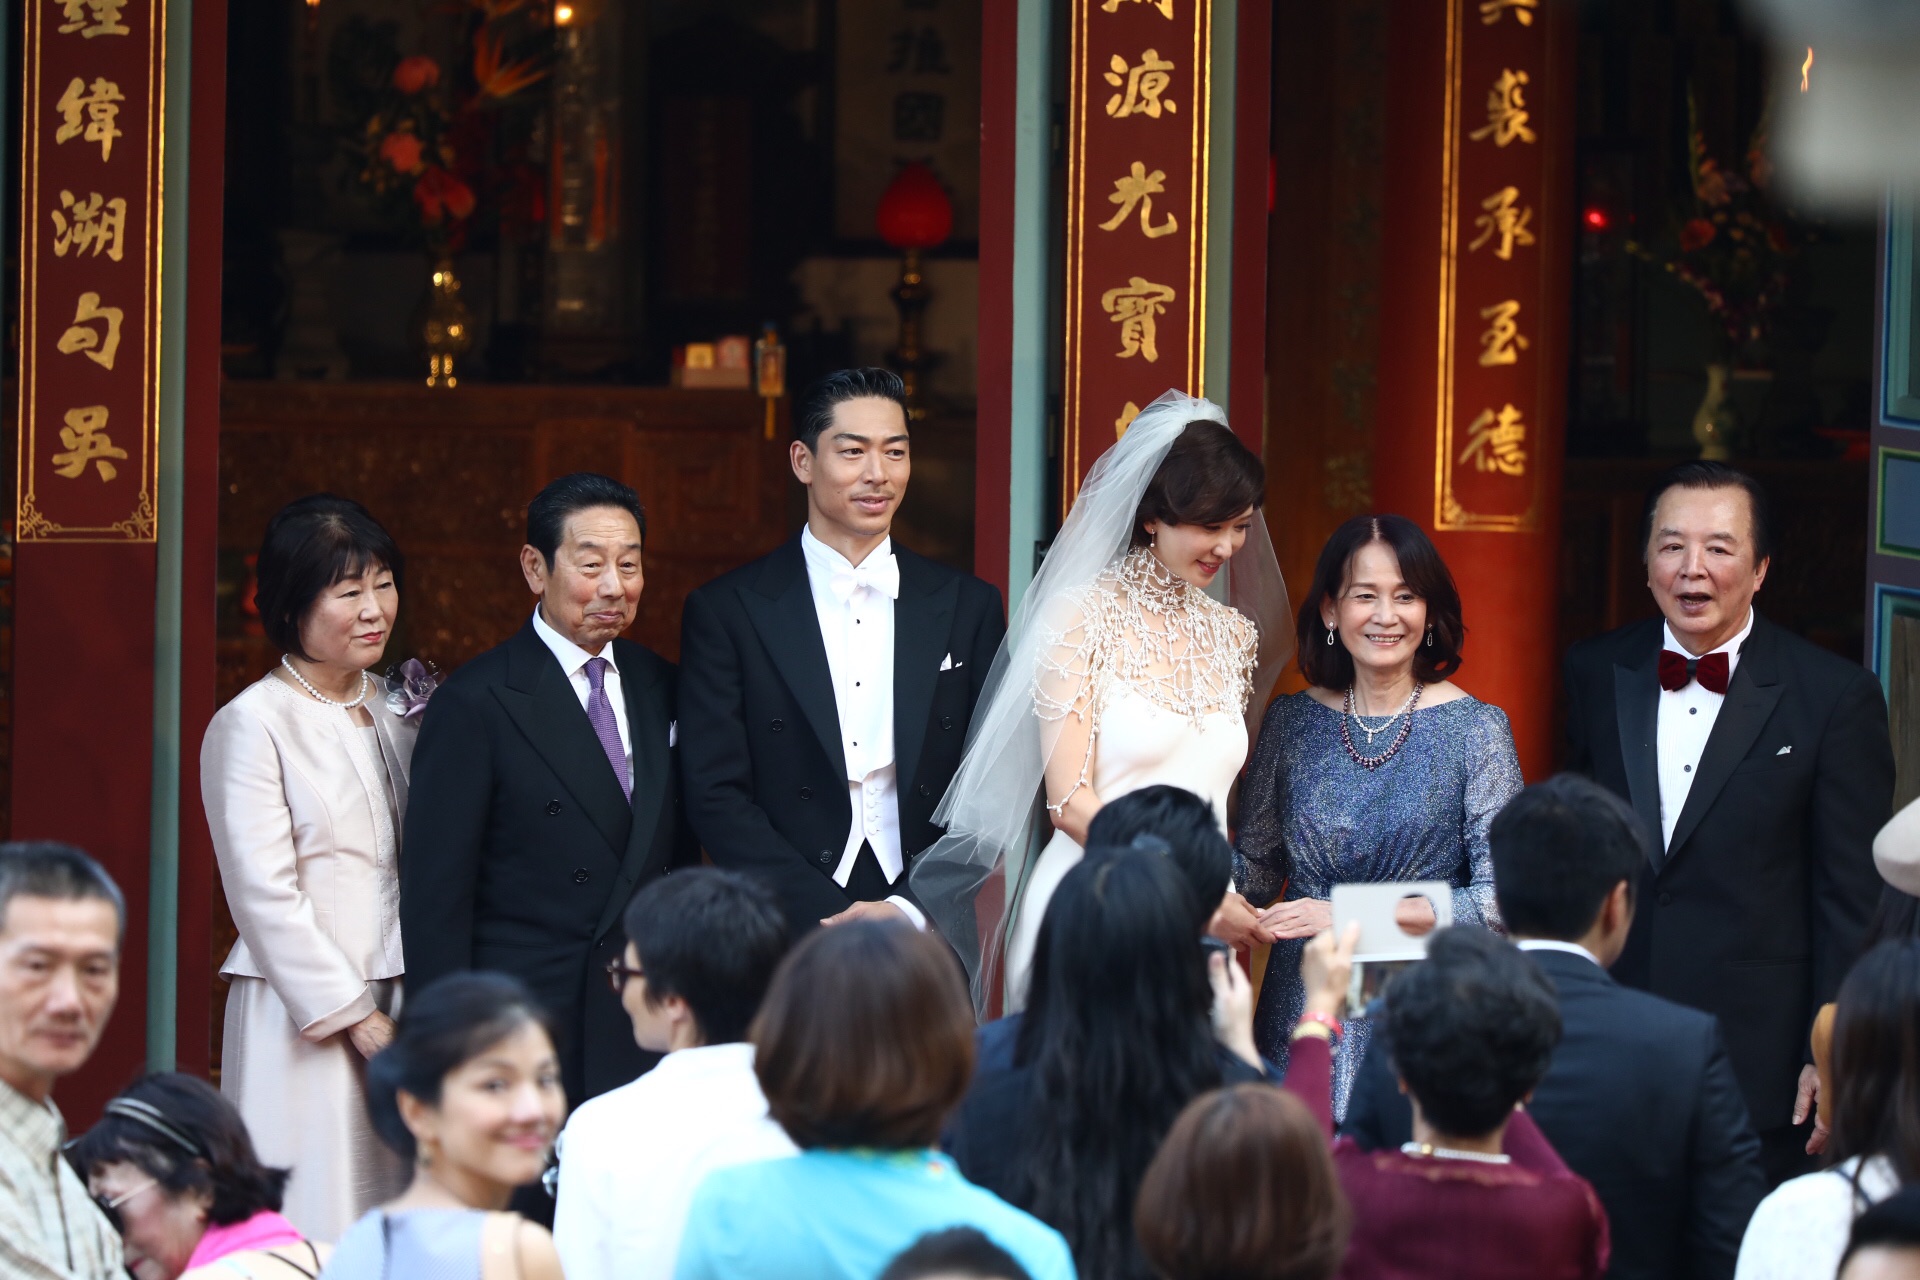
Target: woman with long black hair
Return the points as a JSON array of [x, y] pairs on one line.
[[1800, 1231], [1128, 1021]]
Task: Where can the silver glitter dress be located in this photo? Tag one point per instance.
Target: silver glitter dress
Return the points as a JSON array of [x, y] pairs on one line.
[[1310, 818]]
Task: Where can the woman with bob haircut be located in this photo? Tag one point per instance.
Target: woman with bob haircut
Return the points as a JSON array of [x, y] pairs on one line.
[[469, 1093], [172, 1167], [863, 1046], [1119, 671], [1382, 770], [304, 780], [1243, 1189], [1800, 1230]]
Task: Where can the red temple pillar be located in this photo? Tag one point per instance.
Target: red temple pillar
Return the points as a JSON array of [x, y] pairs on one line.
[[1477, 244]]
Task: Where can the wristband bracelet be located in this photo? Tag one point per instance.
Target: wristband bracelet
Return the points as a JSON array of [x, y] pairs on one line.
[[1327, 1020]]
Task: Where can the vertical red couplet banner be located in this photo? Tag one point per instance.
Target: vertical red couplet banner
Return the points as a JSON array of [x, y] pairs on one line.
[[1476, 265], [1136, 251], [90, 270]]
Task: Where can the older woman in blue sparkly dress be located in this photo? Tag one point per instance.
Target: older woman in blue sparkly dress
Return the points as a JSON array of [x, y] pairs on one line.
[[1380, 771]]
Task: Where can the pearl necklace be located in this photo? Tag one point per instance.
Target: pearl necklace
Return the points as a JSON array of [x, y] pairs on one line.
[[366, 687], [1371, 730], [1370, 763]]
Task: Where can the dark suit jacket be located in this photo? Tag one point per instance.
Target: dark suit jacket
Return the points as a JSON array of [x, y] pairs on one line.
[[520, 851], [760, 735], [1641, 1101], [1755, 911]]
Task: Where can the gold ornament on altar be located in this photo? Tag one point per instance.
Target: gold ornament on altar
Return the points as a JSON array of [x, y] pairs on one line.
[[915, 214], [449, 325]]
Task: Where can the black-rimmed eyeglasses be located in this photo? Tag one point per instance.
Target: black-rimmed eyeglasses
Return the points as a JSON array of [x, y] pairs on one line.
[[619, 971]]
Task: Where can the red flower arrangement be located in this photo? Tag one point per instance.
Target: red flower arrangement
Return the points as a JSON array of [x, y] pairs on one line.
[[1734, 243], [429, 157]]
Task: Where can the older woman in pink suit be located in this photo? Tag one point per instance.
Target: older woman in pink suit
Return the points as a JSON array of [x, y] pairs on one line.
[[304, 778]]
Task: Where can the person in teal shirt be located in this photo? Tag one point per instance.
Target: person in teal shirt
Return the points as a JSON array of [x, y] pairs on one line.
[[863, 1047]]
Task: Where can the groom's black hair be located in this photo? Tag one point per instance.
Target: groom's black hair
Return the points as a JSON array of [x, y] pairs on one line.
[[813, 411]]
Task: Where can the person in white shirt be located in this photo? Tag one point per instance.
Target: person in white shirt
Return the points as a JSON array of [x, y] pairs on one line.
[[826, 689], [61, 925], [1761, 765], [702, 947]]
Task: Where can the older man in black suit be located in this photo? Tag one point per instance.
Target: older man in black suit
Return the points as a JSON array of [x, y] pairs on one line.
[[826, 688], [1640, 1099], [545, 788], [1763, 764]]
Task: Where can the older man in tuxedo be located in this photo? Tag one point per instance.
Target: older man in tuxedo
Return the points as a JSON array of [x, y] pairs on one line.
[[544, 787], [1762, 763], [826, 688]]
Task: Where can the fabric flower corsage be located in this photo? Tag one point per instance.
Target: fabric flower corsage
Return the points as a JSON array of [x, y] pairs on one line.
[[413, 683]]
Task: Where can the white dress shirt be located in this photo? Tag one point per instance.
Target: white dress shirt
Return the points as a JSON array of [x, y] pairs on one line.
[[1554, 944], [1685, 722], [631, 1160], [856, 626], [573, 661]]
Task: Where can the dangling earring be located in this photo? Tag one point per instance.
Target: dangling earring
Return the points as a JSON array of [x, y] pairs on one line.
[[1429, 637], [1329, 637]]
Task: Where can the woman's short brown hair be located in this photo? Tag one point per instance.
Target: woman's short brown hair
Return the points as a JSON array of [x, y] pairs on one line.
[[1208, 477], [865, 1038], [1243, 1187], [1330, 665]]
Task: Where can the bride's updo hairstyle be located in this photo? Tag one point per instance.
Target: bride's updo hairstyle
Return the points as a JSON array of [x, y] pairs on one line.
[[1330, 665], [1208, 477]]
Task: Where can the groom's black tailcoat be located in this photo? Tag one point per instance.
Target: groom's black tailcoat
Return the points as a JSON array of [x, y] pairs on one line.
[[1755, 911], [766, 776], [521, 853]]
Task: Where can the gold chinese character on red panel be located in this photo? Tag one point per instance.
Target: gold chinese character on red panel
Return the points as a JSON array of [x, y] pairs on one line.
[[1497, 442], [1134, 307], [1504, 222], [100, 104], [1491, 11], [91, 226], [90, 18], [1141, 86], [1503, 342], [1164, 6], [86, 440], [1506, 111], [1139, 188], [100, 345]]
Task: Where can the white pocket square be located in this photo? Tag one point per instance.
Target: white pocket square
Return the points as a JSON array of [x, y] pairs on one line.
[[1784, 751], [673, 733], [948, 664]]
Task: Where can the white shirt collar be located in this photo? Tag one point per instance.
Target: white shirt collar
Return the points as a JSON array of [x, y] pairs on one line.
[[1731, 648], [824, 558], [1554, 944], [570, 655]]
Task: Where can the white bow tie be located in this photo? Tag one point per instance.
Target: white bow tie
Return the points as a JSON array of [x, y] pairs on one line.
[[878, 572]]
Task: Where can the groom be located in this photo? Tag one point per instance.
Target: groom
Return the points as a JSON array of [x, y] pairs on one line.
[[825, 690]]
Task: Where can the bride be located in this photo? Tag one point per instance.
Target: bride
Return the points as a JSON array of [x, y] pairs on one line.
[[1119, 671]]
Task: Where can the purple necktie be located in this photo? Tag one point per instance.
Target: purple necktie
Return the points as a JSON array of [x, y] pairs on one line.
[[600, 716]]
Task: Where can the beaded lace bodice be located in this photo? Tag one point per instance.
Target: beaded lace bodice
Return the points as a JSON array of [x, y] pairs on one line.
[[1142, 629]]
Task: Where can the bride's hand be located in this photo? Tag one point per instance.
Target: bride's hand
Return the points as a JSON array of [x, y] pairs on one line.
[[1237, 924], [1232, 1007], [1301, 918]]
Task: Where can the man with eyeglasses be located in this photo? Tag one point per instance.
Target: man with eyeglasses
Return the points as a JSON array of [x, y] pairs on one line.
[[702, 947], [61, 920]]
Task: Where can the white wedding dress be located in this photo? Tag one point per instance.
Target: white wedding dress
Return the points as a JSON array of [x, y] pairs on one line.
[[1163, 672]]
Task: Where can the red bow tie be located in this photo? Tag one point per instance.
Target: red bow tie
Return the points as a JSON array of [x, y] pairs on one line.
[[1677, 670]]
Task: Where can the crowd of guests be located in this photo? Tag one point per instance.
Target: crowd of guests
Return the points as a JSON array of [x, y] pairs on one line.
[[830, 1108], [1671, 1027]]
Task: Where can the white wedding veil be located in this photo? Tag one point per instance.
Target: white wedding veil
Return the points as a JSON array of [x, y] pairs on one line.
[[994, 811]]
